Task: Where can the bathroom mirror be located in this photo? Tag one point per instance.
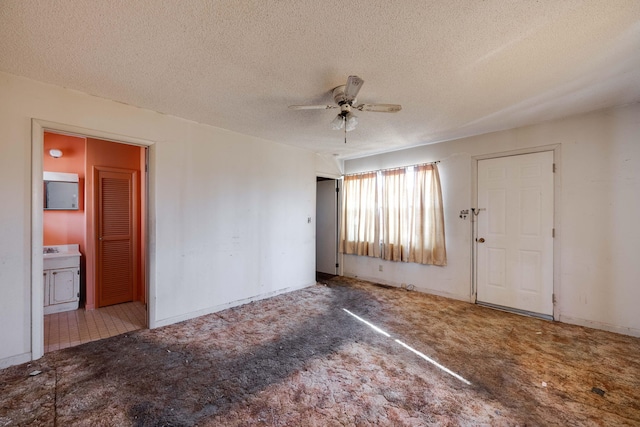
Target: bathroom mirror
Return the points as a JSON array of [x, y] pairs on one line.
[[60, 195], [60, 191]]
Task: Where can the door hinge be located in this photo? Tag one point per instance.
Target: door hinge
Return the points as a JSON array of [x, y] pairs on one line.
[[553, 168], [553, 232], [337, 189], [553, 298], [146, 167], [337, 265], [78, 272]]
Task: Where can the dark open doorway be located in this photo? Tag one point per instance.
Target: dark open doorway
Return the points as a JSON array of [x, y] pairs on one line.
[[327, 223]]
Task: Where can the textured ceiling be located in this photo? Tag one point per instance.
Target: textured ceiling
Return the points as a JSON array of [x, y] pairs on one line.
[[458, 67]]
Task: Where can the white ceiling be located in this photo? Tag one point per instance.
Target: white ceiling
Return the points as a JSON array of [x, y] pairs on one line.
[[458, 67]]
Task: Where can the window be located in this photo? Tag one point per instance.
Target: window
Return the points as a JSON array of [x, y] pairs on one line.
[[395, 214], [359, 233]]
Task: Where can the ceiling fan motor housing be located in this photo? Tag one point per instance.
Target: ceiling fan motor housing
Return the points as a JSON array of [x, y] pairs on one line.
[[340, 98]]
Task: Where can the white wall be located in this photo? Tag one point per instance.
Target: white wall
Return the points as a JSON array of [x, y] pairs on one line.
[[328, 166], [230, 210], [597, 227]]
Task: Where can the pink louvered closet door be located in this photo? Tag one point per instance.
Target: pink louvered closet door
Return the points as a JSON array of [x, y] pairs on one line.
[[115, 267]]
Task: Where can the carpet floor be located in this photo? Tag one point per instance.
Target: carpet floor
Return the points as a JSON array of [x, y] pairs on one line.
[[341, 353]]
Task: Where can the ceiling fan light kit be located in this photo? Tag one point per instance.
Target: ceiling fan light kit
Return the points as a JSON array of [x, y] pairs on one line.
[[337, 123], [344, 97], [351, 121]]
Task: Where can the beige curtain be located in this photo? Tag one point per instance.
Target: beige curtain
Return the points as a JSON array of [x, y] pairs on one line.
[[396, 209], [412, 215], [429, 244], [359, 230]]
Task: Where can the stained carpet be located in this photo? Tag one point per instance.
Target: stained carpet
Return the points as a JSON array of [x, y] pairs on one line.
[[340, 353]]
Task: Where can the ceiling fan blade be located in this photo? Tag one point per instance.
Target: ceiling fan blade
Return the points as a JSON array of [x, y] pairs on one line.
[[312, 107], [354, 83], [380, 108]]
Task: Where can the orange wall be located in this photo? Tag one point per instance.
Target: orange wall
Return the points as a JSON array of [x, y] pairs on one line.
[[66, 227], [116, 155]]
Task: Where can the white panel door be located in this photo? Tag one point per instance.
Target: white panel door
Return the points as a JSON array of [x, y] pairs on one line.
[[327, 226], [515, 241]]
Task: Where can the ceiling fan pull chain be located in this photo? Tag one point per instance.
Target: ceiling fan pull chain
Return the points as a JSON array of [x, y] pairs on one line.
[[345, 130]]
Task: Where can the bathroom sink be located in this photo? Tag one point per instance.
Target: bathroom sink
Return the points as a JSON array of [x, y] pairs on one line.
[[59, 251]]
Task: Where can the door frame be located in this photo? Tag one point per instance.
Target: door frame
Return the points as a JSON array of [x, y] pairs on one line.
[[38, 128], [336, 215], [338, 178], [557, 222]]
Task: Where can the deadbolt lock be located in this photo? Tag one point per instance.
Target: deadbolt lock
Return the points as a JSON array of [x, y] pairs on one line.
[[480, 240]]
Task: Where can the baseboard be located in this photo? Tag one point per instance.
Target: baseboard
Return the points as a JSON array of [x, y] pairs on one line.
[[15, 360], [600, 325], [416, 289], [231, 304]]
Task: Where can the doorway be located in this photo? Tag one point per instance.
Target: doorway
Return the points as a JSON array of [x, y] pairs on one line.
[[327, 219], [121, 318], [515, 254]]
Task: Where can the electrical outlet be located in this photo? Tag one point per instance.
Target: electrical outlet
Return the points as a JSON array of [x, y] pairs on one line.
[[380, 267]]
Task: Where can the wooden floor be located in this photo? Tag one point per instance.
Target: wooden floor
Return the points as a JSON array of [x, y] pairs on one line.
[[71, 328]]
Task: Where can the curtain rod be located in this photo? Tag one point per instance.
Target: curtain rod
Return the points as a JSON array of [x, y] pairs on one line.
[[392, 169]]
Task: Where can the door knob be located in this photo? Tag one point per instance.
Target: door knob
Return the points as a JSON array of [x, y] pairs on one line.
[[480, 240]]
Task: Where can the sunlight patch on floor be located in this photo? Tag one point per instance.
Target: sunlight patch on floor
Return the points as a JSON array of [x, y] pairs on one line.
[[408, 347], [433, 362], [371, 325]]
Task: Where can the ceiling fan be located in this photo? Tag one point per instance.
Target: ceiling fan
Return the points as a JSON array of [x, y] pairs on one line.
[[345, 99]]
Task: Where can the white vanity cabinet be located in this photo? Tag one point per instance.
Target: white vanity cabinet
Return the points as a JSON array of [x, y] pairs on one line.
[[61, 281]]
